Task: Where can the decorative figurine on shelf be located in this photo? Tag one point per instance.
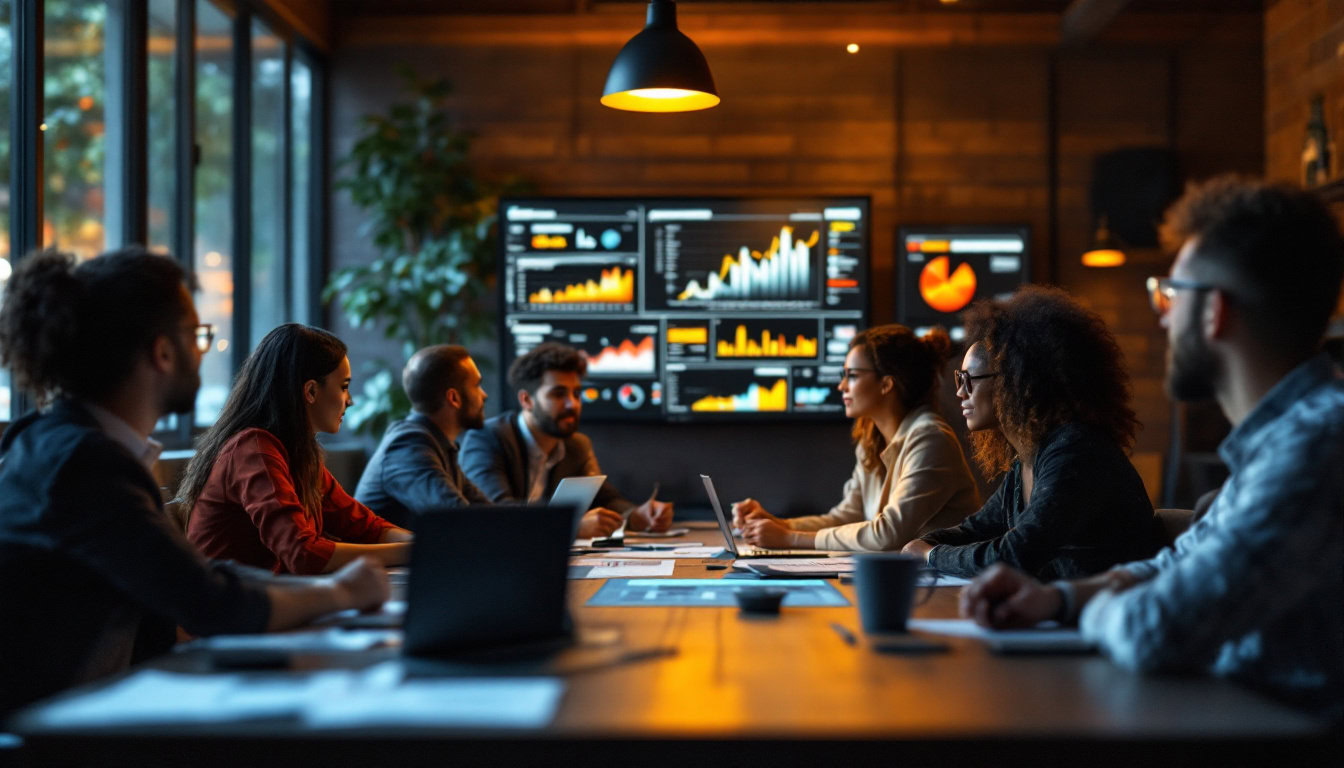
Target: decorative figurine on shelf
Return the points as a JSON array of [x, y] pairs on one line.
[[1318, 152]]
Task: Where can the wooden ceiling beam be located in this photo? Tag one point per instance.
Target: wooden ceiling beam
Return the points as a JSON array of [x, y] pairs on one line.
[[785, 29]]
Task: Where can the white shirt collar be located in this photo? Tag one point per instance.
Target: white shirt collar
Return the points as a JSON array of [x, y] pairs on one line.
[[145, 449], [534, 449]]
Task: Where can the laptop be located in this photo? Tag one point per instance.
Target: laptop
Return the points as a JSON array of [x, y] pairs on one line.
[[748, 552], [577, 493], [477, 584]]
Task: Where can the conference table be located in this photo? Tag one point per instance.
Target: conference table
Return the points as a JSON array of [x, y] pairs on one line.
[[722, 686]]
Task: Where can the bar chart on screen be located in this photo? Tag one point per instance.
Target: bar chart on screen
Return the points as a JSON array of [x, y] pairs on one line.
[[776, 337], [779, 267]]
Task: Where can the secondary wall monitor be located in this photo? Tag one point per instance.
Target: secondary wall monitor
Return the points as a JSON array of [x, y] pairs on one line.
[[940, 271], [689, 309]]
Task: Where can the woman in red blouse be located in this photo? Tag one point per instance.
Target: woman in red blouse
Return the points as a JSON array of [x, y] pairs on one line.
[[257, 488]]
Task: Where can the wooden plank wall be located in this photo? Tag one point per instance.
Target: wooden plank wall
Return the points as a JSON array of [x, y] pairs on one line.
[[942, 132], [1304, 57]]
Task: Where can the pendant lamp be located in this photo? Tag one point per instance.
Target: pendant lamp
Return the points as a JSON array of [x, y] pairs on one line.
[[1105, 251], [660, 69]]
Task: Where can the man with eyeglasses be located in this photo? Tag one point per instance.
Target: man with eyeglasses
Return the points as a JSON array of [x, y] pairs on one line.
[[96, 575], [1253, 591]]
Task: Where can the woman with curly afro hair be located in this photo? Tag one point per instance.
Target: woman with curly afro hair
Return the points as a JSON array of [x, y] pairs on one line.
[[1045, 395]]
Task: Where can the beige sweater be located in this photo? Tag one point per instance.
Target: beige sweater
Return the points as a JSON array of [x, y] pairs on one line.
[[927, 486]]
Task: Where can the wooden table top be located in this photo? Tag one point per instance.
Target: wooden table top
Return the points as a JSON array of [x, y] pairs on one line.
[[791, 679]]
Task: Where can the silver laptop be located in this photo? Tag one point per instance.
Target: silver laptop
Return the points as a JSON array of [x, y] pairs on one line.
[[747, 552], [577, 493]]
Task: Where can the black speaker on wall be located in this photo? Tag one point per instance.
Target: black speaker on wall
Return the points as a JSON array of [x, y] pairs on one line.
[[1132, 188]]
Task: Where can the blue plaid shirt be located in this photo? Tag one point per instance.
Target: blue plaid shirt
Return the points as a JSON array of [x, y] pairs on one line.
[[1255, 590]]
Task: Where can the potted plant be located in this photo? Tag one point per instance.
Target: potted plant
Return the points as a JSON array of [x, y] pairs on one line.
[[432, 221]]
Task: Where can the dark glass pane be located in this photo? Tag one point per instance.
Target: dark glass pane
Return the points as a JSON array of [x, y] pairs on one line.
[[214, 201], [74, 95], [268, 297]]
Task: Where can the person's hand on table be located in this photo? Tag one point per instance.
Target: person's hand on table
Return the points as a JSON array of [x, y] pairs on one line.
[[598, 522], [1005, 598], [767, 532], [652, 515], [751, 509], [918, 548], [361, 584]]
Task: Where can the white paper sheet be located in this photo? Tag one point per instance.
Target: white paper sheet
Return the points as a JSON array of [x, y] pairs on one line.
[[378, 696], [616, 568], [523, 702], [658, 554], [303, 642], [825, 563], [927, 580], [669, 533], [1043, 638]]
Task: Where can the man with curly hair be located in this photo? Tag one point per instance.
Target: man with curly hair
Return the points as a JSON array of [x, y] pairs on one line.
[[1045, 396], [521, 456], [1252, 591]]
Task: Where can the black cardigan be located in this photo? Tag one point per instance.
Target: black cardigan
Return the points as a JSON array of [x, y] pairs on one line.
[[1089, 511]]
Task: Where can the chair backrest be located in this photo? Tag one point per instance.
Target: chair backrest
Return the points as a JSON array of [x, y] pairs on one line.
[[1173, 522]]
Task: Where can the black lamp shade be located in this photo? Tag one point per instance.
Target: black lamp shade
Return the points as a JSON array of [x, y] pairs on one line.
[[660, 69]]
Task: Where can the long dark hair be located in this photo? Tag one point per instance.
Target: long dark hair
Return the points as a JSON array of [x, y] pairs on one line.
[[913, 362], [1057, 363], [268, 393]]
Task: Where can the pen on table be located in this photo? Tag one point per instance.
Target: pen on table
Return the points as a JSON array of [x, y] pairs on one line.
[[844, 633]]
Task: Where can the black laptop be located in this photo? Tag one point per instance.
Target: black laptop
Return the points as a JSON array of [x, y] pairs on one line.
[[488, 577]]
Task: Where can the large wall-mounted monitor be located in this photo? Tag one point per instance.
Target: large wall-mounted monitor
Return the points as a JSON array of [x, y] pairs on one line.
[[688, 309], [941, 270]]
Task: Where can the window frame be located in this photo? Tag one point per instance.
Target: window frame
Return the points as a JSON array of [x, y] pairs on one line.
[[126, 44]]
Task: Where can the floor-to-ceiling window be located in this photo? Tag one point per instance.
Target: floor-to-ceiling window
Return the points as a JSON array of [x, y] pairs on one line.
[[74, 93], [6, 107], [213, 251], [219, 96]]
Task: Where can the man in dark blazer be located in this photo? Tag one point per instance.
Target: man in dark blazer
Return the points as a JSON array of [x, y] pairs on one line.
[[415, 467], [523, 455]]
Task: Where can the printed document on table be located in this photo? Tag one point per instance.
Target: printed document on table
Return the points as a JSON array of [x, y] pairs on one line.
[[1043, 638], [381, 695], [310, 641], [615, 568], [659, 554]]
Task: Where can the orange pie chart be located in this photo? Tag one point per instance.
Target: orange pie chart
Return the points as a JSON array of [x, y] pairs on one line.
[[943, 293]]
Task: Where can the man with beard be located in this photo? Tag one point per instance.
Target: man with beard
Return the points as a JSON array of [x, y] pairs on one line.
[[96, 575], [1252, 591], [415, 467], [523, 456]]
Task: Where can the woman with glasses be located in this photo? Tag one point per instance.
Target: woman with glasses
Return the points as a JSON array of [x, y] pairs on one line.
[[1045, 395], [257, 490], [910, 475]]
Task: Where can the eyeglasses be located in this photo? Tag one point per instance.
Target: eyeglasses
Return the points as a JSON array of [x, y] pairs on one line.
[[965, 380], [853, 373], [205, 336], [1161, 290]]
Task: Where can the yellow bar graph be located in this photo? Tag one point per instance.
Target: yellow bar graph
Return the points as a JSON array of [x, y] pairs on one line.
[[688, 335], [756, 398], [616, 286], [769, 345]]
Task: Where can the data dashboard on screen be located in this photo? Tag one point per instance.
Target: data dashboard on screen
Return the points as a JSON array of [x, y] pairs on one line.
[[687, 309], [940, 271]]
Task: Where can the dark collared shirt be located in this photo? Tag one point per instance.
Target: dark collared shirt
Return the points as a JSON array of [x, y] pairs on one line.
[[95, 574], [415, 469]]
